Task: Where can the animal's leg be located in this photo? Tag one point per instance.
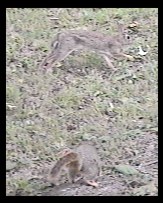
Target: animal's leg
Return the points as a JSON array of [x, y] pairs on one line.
[[91, 182], [126, 56], [108, 62]]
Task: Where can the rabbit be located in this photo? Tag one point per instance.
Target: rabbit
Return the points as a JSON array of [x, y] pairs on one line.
[[106, 46]]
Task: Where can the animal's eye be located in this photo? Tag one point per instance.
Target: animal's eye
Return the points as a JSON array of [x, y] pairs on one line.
[[128, 37]]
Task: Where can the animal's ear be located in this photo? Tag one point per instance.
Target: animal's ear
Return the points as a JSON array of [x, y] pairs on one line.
[[121, 27]]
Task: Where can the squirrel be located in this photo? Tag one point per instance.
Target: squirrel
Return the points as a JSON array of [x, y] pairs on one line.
[[80, 163]]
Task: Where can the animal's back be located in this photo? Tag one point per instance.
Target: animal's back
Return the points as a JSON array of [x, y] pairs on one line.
[[90, 160]]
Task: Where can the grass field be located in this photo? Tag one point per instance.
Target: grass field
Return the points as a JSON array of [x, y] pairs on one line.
[[81, 100]]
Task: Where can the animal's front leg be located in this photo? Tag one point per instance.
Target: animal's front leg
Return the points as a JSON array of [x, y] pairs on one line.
[[109, 62], [131, 58]]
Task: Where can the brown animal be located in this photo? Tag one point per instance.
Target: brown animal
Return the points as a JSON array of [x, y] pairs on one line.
[[106, 46], [80, 163]]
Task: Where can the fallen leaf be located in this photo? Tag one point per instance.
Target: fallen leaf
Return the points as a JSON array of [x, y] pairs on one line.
[[141, 52]]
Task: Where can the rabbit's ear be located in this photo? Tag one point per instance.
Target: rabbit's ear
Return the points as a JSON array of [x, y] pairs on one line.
[[121, 27]]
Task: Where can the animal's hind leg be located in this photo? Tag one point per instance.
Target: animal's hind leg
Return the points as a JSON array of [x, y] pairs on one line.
[[49, 57], [59, 56]]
